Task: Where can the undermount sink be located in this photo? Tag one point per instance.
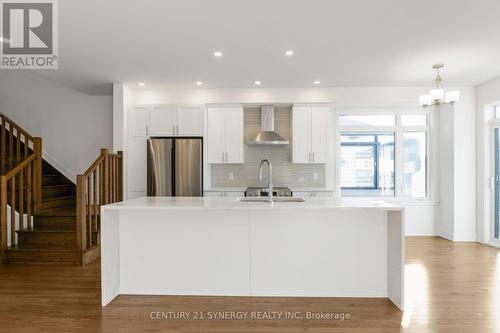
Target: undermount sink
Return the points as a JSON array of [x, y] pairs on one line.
[[265, 199]]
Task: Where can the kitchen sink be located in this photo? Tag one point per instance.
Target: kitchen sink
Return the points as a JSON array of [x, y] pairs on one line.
[[264, 199]]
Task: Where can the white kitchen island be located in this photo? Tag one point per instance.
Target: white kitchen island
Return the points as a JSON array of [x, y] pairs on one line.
[[215, 246]]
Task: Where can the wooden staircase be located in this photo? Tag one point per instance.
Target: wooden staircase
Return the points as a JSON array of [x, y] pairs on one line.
[[44, 217], [53, 237]]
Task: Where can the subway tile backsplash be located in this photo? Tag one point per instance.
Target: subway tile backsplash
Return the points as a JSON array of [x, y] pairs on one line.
[[284, 172]]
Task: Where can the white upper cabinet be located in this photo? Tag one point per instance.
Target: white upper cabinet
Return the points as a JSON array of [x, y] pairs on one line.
[[319, 133], [138, 116], [163, 120], [225, 135], [301, 132], [310, 134], [167, 120], [190, 120], [216, 136]]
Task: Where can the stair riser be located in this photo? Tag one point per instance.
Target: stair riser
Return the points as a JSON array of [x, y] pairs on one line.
[[52, 180], [58, 203], [63, 223], [47, 240], [19, 256], [51, 192]]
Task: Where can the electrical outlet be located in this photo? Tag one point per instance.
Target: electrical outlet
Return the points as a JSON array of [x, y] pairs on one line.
[[230, 176], [315, 176]]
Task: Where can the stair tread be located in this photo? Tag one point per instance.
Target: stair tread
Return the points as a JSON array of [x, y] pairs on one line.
[[68, 211], [58, 185], [38, 249], [60, 198], [46, 231]]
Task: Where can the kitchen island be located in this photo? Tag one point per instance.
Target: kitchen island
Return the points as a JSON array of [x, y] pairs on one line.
[[217, 246]]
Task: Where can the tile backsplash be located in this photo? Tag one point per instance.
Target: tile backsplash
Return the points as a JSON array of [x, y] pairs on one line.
[[284, 172]]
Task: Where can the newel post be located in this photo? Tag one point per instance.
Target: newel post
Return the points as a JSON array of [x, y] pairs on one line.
[[120, 176], [3, 218], [37, 150], [106, 198], [81, 235]]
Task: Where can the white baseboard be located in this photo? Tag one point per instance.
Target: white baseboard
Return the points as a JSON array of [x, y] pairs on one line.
[[59, 167], [457, 238], [465, 238], [446, 235]]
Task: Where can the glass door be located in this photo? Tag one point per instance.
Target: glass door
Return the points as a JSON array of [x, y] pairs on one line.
[[496, 182]]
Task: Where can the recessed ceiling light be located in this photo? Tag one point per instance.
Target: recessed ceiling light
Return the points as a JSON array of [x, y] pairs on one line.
[[199, 83], [316, 82], [257, 83], [141, 84], [218, 54], [289, 53]]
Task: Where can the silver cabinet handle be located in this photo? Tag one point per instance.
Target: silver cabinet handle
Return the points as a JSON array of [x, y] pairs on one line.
[[313, 156], [309, 157], [147, 130], [226, 157]]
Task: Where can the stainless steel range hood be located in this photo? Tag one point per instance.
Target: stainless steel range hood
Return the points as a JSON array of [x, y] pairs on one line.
[[267, 135]]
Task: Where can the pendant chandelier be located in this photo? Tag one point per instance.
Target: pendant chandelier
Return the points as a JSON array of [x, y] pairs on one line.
[[438, 96]]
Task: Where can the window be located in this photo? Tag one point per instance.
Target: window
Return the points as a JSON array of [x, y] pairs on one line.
[[367, 164], [414, 164], [367, 120], [414, 120], [497, 111], [384, 155]]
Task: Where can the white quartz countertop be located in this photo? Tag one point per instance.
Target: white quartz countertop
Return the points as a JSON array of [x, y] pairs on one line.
[[230, 203]]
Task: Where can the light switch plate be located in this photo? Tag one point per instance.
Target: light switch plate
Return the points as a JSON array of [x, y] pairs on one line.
[[230, 176], [315, 176]]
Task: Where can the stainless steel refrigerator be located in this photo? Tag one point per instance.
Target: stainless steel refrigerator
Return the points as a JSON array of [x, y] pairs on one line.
[[175, 167]]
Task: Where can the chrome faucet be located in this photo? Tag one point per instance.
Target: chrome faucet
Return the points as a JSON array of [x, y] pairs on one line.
[[269, 178]]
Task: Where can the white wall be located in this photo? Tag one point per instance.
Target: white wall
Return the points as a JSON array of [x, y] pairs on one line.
[[486, 94], [73, 126], [464, 167]]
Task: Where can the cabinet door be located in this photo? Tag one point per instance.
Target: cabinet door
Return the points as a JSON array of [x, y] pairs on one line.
[[190, 120], [216, 136], [319, 133], [234, 135], [301, 135], [162, 120], [137, 164], [138, 121]]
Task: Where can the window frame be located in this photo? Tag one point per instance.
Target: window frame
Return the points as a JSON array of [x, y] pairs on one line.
[[398, 130]]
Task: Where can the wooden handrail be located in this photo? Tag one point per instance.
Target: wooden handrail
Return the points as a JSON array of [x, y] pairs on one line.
[[101, 184], [20, 181], [19, 167]]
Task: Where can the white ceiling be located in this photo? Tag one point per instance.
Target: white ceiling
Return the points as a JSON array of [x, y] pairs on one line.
[[340, 42]]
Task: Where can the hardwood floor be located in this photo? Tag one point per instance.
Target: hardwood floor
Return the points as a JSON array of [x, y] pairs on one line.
[[451, 287]]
